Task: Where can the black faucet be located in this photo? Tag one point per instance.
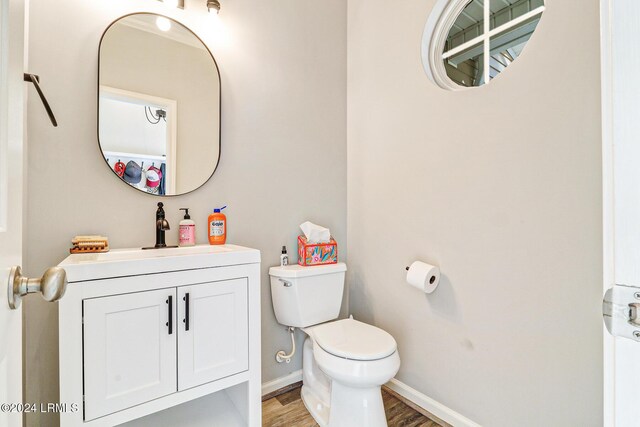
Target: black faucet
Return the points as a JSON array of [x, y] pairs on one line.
[[162, 225]]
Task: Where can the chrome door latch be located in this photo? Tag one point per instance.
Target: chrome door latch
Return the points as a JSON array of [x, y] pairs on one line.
[[621, 311]]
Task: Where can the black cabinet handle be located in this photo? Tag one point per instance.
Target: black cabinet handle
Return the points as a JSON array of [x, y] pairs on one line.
[[186, 312], [170, 322], [32, 78]]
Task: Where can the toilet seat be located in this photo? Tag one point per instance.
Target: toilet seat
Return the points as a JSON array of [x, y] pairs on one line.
[[353, 340]]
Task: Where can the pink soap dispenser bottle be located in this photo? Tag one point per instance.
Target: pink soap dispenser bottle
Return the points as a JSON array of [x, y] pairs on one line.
[[187, 230]]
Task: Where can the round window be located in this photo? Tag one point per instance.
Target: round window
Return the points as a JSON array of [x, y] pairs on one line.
[[468, 43]]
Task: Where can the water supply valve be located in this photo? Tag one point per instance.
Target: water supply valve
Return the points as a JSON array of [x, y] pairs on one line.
[[281, 356]]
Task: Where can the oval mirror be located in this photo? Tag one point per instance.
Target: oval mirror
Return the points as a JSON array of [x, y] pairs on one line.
[[159, 105]]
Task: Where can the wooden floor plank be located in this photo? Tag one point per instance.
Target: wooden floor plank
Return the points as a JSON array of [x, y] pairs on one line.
[[289, 397], [282, 390], [287, 409]]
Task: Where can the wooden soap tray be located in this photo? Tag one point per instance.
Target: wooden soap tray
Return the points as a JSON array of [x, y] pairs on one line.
[[89, 244], [89, 249]]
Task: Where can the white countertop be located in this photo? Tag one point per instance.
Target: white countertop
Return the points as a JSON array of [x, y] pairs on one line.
[[133, 262]]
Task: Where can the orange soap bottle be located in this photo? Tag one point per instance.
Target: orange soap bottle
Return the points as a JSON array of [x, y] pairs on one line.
[[217, 227]]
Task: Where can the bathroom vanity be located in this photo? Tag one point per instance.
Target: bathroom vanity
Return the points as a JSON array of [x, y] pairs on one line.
[[161, 337]]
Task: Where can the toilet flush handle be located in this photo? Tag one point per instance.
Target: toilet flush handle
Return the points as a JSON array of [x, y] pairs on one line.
[[286, 283]]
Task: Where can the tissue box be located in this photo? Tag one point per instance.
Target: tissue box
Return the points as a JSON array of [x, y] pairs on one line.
[[316, 253]]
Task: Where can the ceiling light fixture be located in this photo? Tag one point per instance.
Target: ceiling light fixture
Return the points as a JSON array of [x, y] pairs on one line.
[[213, 5], [163, 23], [174, 3]]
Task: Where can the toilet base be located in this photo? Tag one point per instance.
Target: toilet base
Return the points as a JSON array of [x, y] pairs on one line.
[[347, 409], [317, 408], [316, 387], [332, 404], [356, 406]]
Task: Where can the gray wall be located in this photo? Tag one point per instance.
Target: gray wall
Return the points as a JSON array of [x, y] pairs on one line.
[[283, 69], [501, 187]]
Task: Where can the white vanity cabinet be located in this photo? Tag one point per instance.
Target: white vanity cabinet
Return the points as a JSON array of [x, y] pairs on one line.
[[149, 331]]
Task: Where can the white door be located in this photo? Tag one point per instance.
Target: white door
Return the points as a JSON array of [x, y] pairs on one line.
[[11, 199], [129, 350], [620, 20], [213, 337]]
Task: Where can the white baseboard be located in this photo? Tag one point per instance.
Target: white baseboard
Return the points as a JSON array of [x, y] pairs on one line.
[[281, 382], [441, 411]]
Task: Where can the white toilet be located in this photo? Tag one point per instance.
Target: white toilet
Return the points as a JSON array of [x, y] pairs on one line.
[[345, 362]]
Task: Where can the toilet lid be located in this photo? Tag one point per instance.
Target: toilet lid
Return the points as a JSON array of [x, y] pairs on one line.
[[354, 340]]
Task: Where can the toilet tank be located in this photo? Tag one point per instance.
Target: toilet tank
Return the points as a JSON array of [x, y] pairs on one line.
[[306, 296]]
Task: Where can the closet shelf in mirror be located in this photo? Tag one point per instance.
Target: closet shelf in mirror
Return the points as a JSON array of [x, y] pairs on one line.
[[113, 154]]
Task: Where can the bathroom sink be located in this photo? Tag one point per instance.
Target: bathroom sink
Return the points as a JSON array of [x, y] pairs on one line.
[[137, 261], [128, 254]]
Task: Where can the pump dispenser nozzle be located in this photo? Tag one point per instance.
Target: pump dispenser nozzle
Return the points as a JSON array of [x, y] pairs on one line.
[[186, 213]]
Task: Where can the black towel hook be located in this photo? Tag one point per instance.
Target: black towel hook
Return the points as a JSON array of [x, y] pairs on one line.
[[32, 78]]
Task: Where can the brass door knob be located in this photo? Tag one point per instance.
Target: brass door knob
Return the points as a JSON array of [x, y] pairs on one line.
[[52, 285]]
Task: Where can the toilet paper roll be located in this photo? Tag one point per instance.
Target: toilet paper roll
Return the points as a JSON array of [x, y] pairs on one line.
[[423, 276]]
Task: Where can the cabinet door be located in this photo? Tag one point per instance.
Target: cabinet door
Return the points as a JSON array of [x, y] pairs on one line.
[[213, 337], [129, 350]]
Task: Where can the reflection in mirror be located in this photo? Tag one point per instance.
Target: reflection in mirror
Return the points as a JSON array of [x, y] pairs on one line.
[[466, 69], [159, 105], [468, 26], [511, 24]]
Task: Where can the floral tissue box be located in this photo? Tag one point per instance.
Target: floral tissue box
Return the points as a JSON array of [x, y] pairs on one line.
[[316, 253]]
